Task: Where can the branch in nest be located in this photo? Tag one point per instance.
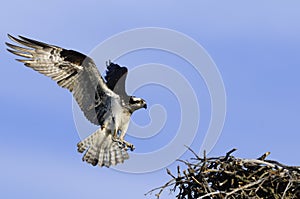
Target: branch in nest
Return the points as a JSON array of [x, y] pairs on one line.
[[231, 177]]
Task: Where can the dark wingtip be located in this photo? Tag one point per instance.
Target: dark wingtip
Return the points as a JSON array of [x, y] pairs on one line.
[[10, 50], [8, 44], [107, 63], [25, 38], [9, 35], [12, 37]]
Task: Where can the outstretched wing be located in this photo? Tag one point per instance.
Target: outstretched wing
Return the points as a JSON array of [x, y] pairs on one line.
[[115, 79], [70, 69]]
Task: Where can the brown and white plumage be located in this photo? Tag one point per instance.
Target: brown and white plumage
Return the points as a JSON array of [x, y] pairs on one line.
[[104, 103]]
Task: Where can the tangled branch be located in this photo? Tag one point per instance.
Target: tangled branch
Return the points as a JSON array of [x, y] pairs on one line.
[[228, 177]]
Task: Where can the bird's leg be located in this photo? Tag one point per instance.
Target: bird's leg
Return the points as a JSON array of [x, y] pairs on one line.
[[122, 135], [117, 139], [115, 136], [121, 141], [124, 144], [128, 145]]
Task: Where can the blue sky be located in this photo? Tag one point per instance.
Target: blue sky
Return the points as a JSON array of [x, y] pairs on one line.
[[255, 45]]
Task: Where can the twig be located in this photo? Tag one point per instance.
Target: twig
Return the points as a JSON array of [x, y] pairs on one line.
[[211, 193], [161, 188], [243, 187]]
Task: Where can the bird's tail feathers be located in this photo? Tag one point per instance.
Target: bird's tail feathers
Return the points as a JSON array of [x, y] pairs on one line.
[[102, 150]]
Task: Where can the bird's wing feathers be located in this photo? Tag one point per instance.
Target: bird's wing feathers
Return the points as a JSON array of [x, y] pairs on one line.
[[115, 78], [70, 69]]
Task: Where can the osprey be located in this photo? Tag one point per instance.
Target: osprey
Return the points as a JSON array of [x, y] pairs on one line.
[[104, 102]]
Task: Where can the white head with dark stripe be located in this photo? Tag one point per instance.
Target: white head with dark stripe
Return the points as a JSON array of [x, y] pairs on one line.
[[136, 103]]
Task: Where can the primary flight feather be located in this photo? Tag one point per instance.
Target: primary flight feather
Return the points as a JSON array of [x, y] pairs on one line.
[[104, 102]]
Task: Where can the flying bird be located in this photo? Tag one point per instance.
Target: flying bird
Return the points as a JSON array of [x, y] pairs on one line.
[[104, 101]]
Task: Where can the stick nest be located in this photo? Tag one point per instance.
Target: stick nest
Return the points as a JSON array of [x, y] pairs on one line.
[[231, 177]]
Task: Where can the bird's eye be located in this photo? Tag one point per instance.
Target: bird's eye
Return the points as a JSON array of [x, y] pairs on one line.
[[133, 100]]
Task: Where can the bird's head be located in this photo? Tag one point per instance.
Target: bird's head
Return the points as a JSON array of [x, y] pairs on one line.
[[136, 103]]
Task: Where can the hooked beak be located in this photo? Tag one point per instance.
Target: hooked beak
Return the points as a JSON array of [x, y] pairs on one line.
[[145, 106]]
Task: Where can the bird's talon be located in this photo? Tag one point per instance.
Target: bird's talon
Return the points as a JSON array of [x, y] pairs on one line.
[[132, 147], [122, 143]]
